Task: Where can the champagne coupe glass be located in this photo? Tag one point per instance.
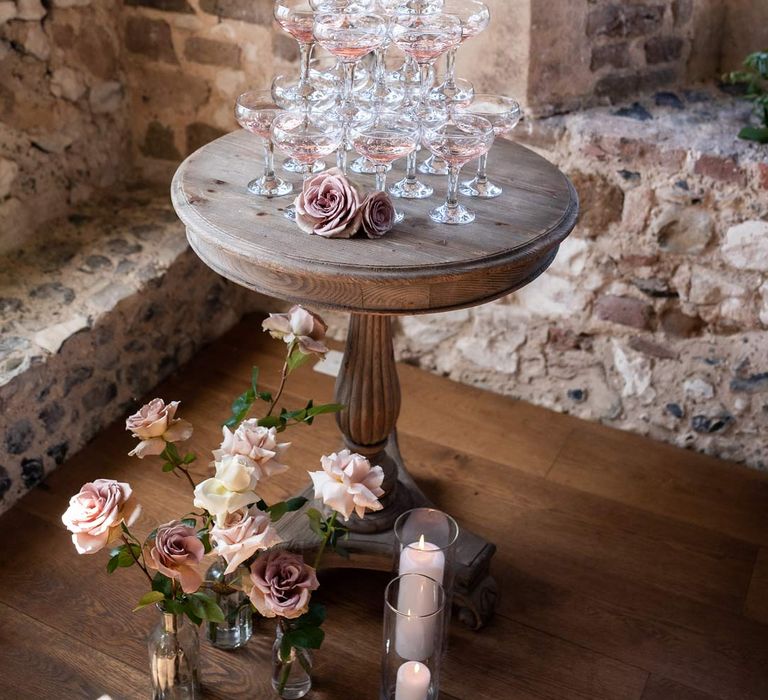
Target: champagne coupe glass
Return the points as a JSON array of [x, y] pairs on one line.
[[388, 138], [349, 37], [255, 111], [504, 113], [286, 94], [297, 18], [455, 92], [423, 39], [306, 137], [458, 140]]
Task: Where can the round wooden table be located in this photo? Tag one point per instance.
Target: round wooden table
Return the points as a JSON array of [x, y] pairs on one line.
[[420, 267]]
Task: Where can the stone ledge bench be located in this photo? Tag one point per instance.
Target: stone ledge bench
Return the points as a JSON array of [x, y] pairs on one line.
[[107, 303]]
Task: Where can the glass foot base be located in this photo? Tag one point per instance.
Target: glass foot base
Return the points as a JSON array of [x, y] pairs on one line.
[[270, 187], [434, 166], [458, 94], [457, 215], [482, 190], [363, 166], [411, 190], [293, 166], [290, 213], [383, 97], [399, 217]]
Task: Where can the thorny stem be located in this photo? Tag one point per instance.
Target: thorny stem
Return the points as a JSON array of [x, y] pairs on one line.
[[141, 565], [283, 378], [324, 543]]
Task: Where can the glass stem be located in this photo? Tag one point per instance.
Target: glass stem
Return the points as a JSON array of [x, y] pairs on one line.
[[349, 81], [450, 69], [306, 58], [410, 167], [452, 200], [381, 178], [380, 67], [424, 83], [482, 169], [341, 156], [269, 160]]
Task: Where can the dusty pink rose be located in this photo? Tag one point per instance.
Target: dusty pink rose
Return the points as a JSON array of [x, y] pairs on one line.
[[257, 444], [282, 584], [155, 424], [348, 483], [377, 214], [328, 206], [176, 552], [241, 534], [300, 325], [96, 512]]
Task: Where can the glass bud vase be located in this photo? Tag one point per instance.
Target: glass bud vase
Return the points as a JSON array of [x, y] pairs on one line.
[[291, 677], [238, 626], [174, 659]]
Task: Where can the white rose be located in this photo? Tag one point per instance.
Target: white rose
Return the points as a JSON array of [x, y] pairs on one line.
[[214, 496], [348, 483], [258, 444]]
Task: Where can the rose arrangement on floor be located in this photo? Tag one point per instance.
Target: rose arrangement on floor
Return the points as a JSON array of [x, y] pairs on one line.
[[330, 206], [229, 516]]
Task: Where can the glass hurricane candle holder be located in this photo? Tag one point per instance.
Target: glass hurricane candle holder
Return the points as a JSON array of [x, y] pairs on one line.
[[504, 114], [307, 138], [389, 137], [255, 111], [463, 137], [414, 619]]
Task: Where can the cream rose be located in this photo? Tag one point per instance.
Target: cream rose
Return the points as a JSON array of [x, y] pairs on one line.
[[95, 514], [348, 483], [282, 584], [231, 489], [256, 444], [299, 325], [155, 424], [177, 552], [241, 534]]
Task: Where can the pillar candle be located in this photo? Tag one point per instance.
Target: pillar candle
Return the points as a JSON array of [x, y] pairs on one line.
[[412, 681]]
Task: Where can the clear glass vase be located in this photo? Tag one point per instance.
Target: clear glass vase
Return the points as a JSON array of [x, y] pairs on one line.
[[292, 676], [174, 659], [238, 628]]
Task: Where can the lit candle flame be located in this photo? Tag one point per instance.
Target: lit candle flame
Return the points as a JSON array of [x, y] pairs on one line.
[[421, 542]]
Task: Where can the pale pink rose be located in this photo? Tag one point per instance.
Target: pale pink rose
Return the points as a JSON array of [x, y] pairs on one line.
[[239, 535], [177, 552], [282, 584], [96, 512], [300, 325], [257, 444], [348, 484], [328, 206], [155, 424], [377, 214]]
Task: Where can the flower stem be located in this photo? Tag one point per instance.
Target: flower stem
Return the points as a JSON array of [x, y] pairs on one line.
[[283, 378], [141, 565], [186, 473], [328, 532]]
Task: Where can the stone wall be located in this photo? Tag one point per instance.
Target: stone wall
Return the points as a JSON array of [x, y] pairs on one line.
[[63, 122], [654, 316]]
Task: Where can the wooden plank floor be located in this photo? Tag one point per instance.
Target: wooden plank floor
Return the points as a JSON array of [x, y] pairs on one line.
[[629, 570]]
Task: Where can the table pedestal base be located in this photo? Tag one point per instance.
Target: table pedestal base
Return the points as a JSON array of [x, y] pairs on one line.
[[475, 590]]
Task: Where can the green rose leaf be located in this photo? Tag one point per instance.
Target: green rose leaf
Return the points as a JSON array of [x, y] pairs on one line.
[[208, 609], [149, 599], [278, 510], [306, 637], [162, 584], [189, 522], [314, 617], [296, 503]]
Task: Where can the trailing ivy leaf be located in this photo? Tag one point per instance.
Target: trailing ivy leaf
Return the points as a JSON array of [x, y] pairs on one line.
[[149, 599], [189, 522], [296, 503], [306, 637]]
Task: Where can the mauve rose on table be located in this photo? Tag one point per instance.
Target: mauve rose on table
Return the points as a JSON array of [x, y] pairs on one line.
[[328, 206], [377, 214]]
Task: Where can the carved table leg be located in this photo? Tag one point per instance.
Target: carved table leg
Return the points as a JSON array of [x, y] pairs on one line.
[[369, 388]]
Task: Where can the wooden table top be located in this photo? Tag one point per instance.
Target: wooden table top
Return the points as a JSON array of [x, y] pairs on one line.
[[420, 267], [628, 569]]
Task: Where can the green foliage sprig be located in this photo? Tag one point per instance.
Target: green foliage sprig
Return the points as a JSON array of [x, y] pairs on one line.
[[755, 80]]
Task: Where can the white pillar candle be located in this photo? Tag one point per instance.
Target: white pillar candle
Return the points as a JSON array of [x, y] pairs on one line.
[[412, 681], [415, 633]]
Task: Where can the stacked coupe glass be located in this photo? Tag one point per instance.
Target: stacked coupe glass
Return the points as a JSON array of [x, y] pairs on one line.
[[375, 91]]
